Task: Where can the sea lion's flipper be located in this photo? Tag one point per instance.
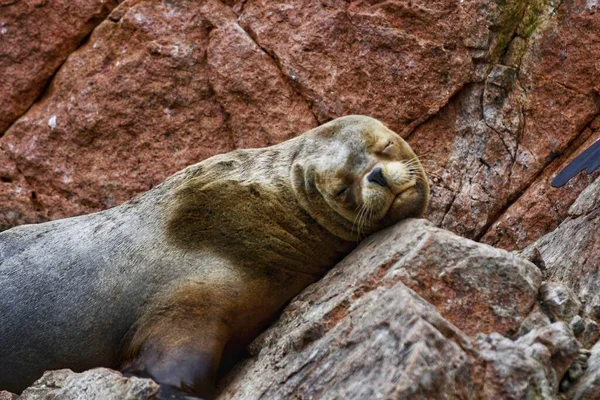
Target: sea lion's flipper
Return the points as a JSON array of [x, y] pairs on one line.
[[186, 360], [589, 160], [179, 341]]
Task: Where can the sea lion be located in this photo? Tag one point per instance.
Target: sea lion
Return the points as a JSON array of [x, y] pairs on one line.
[[175, 281]]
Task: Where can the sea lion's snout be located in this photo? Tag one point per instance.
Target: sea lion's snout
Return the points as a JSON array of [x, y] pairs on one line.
[[376, 176]]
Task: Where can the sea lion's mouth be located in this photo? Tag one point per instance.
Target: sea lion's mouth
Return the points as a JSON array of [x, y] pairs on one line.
[[406, 198], [402, 195], [404, 187]]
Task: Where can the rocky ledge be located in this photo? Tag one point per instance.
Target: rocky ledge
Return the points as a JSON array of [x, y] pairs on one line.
[[419, 312]]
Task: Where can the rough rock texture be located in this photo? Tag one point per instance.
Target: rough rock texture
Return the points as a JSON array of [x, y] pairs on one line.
[[570, 257], [4, 395], [362, 333], [158, 86], [394, 61], [95, 384], [494, 138], [571, 253], [542, 208], [528, 368], [495, 97], [36, 37], [588, 386], [367, 330], [461, 278], [558, 302]]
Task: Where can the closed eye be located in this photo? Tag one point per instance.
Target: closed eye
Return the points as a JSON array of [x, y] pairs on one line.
[[342, 191], [388, 149]]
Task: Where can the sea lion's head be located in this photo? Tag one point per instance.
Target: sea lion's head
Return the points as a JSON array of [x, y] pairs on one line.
[[356, 176]]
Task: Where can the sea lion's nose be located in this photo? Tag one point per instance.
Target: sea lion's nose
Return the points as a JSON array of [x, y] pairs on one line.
[[376, 176]]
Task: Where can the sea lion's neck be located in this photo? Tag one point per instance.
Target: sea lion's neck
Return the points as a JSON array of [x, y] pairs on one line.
[[242, 205]]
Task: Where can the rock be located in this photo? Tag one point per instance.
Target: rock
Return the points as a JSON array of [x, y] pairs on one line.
[[588, 385], [577, 325], [397, 61], [558, 302], [486, 148], [535, 320], [158, 86], [391, 352], [262, 107], [548, 77], [541, 208], [585, 330], [591, 333], [94, 384], [36, 37], [360, 332], [459, 277], [571, 252], [483, 90], [558, 339], [530, 367], [576, 370], [4, 395]]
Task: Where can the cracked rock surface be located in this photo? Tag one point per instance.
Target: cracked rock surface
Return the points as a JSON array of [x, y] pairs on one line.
[[36, 37], [103, 100], [494, 96], [94, 384], [362, 332], [571, 253]]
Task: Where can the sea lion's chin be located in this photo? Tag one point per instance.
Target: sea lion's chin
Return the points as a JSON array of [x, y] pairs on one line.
[[406, 204]]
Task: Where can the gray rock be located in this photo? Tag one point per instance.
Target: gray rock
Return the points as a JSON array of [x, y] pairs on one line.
[[361, 333], [536, 319], [476, 287], [577, 325], [571, 253], [94, 384], [530, 367], [588, 386], [558, 302], [591, 333]]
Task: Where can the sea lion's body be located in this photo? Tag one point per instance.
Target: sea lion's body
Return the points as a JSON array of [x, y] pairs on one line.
[[169, 283]]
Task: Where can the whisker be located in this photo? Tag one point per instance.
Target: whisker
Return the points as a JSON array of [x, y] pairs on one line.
[[356, 217], [358, 226]]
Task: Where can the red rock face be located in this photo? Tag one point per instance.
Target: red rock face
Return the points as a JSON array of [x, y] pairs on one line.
[[391, 61], [541, 207], [157, 87], [489, 151], [561, 81], [492, 97], [36, 36]]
